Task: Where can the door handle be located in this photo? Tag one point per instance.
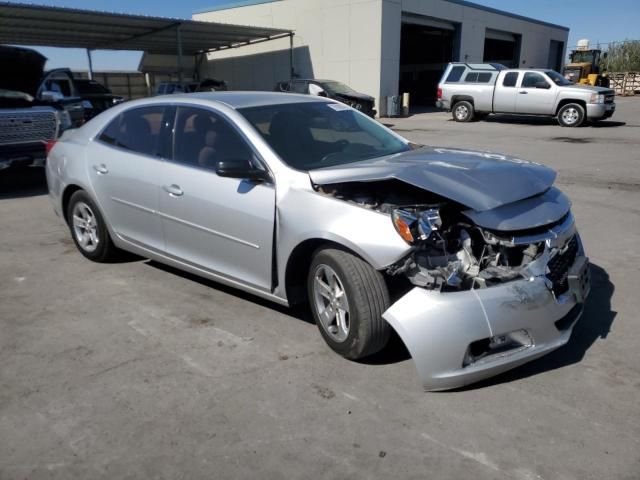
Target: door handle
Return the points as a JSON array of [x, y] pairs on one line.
[[173, 190], [101, 169], [523, 92]]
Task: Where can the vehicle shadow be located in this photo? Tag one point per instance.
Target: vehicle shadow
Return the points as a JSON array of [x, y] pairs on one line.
[[544, 121], [594, 325], [22, 182], [300, 312]]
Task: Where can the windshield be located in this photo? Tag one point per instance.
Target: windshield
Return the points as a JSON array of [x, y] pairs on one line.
[[314, 135], [338, 88], [557, 78], [586, 56]]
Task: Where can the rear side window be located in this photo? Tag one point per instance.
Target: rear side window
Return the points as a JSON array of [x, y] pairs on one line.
[[455, 75], [510, 79], [477, 77], [137, 130]]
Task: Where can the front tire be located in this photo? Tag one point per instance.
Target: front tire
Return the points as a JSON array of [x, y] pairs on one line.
[[348, 297], [571, 115], [463, 111], [89, 230]]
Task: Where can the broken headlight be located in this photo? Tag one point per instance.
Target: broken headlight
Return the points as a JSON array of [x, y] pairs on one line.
[[416, 223]]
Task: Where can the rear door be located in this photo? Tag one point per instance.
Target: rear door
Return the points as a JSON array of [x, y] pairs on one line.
[[536, 94], [222, 225], [506, 93], [125, 170]]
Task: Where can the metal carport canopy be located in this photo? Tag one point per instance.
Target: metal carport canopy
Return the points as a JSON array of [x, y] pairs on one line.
[[27, 24]]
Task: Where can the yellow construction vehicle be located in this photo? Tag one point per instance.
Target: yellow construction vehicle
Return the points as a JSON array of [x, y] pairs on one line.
[[585, 66]]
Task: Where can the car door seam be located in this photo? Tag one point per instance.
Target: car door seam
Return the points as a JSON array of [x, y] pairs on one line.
[[208, 230]]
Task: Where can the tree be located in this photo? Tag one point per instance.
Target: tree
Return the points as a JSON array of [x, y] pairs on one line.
[[624, 56]]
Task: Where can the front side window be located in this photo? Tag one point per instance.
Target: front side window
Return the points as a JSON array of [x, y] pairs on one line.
[[532, 79], [510, 79], [137, 130], [313, 135], [557, 78], [203, 138]]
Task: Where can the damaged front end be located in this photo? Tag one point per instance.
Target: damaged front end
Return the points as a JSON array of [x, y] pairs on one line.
[[478, 300]]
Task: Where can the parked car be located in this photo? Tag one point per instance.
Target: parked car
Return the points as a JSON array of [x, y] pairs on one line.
[[330, 89], [206, 85], [30, 114], [475, 90], [473, 258], [96, 97]]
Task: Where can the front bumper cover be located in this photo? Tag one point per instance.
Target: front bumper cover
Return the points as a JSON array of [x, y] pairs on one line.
[[438, 328]]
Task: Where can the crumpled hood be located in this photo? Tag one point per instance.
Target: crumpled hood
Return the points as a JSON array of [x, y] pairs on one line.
[[478, 180]]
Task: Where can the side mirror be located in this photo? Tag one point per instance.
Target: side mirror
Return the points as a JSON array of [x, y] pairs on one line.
[[322, 93], [543, 85], [242, 169], [51, 96]]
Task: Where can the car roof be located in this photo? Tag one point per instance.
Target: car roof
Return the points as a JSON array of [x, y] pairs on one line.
[[249, 99], [234, 99]]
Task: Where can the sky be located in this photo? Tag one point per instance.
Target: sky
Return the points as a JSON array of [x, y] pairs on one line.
[[598, 21]]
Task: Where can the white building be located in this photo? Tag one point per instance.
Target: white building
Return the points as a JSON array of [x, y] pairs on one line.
[[378, 47]]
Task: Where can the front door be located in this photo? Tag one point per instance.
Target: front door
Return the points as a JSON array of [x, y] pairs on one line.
[[125, 172], [536, 95], [223, 225]]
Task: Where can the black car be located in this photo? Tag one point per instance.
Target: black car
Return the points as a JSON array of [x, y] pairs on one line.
[[331, 89], [96, 97]]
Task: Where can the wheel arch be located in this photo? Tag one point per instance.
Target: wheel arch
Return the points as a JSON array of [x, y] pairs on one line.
[[566, 101], [69, 190], [460, 98], [299, 262]]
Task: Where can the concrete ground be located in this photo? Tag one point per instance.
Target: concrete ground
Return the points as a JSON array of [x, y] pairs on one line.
[[135, 370]]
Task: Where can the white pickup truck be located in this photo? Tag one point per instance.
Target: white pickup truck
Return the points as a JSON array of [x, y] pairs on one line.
[[472, 91]]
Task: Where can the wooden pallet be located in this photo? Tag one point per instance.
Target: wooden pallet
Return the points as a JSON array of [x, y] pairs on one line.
[[625, 84]]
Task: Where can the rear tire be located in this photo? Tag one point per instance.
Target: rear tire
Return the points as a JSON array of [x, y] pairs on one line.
[[89, 230], [571, 115], [348, 297], [463, 111]]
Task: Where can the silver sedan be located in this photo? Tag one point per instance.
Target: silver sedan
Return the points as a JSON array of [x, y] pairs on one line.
[[472, 258]]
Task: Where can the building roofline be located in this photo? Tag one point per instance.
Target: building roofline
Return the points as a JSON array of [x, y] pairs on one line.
[[233, 4], [466, 3]]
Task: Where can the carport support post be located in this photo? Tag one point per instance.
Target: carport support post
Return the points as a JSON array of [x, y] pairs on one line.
[[179, 52], [291, 70], [90, 64]]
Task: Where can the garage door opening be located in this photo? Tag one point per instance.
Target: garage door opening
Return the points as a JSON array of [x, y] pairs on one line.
[[426, 46], [502, 47]]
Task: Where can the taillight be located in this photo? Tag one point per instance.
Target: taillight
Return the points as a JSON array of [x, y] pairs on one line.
[[50, 145], [439, 92]]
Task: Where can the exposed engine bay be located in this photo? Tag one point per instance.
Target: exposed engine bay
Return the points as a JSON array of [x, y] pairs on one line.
[[449, 251]]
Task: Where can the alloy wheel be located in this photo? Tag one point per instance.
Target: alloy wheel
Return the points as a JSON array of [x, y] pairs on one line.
[[85, 227], [331, 303]]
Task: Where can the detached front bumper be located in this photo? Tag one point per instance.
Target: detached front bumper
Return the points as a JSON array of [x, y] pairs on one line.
[[446, 333], [600, 111]]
